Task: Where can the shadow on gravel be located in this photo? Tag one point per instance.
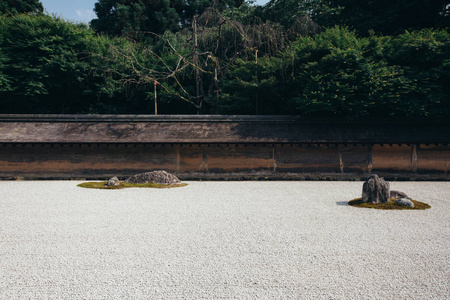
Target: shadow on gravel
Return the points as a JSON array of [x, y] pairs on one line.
[[342, 203]]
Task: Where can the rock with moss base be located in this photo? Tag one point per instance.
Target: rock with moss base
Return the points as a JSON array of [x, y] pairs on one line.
[[113, 181], [160, 177], [376, 190]]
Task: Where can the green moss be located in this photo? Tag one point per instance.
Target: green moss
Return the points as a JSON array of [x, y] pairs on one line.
[[123, 185], [389, 205]]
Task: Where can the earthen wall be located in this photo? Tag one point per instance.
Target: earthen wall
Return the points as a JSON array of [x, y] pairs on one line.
[[236, 148]]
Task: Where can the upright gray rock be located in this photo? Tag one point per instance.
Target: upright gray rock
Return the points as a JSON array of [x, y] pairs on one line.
[[113, 181], [161, 177], [375, 190]]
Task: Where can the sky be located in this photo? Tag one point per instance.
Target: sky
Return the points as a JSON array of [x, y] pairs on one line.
[[80, 10]]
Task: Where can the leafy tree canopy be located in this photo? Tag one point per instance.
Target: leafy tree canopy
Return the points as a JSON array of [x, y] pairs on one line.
[[287, 12], [393, 16], [382, 16], [129, 17], [235, 60], [20, 6], [41, 63]]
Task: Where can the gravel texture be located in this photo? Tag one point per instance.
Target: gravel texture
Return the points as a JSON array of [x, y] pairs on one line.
[[229, 240]]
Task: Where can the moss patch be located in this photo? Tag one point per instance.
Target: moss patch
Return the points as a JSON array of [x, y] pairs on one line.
[[122, 185], [389, 205]]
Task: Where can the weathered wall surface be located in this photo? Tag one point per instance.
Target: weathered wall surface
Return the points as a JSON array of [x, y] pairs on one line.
[[208, 129], [231, 161], [51, 147]]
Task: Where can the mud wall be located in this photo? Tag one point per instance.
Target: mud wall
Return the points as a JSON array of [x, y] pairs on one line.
[[226, 161], [219, 147]]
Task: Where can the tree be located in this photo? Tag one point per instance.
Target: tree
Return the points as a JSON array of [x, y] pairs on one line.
[[393, 16], [254, 87], [424, 57], [4, 80], [20, 6], [192, 63], [289, 12], [127, 17], [43, 64], [197, 7], [334, 74], [337, 74], [130, 17], [145, 71]]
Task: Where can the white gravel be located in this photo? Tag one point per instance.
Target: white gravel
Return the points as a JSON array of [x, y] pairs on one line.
[[231, 240]]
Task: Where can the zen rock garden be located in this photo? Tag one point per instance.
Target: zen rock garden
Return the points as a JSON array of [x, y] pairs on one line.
[[154, 179], [159, 177], [376, 193], [377, 190]]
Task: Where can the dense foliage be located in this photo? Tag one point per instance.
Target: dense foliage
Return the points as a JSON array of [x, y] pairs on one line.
[[131, 17], [393, 16], [20, 6], [312, 58], [339, 74], [42, 64]]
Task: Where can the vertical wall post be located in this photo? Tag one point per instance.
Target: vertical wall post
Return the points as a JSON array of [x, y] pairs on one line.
[[414, 158], [273, 158], [178, 160]]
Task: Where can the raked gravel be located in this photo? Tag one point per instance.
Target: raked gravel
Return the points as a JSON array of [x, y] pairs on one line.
[[227, 240]]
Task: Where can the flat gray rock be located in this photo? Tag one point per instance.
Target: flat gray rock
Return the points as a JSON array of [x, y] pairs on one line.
[[398, 194], [160, 177], [113, 181], [404, 202]]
